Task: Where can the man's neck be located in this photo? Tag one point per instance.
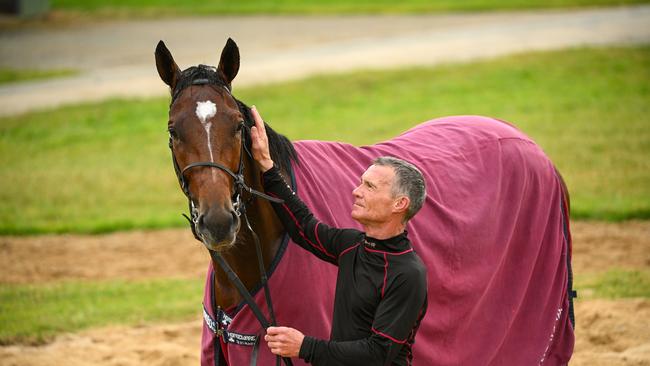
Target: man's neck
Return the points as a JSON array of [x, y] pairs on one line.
[[384, 230]]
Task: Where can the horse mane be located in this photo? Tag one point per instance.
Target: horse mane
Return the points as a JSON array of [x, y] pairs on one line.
[[281, 148]]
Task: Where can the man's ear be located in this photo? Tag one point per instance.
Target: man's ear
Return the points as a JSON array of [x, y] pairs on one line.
[[167, 68], [401, 204]]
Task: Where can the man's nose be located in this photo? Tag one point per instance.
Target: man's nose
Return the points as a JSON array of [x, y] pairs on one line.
[[355, 192]]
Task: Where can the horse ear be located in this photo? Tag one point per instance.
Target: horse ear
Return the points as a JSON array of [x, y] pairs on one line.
[[229, 63], [167, 68]]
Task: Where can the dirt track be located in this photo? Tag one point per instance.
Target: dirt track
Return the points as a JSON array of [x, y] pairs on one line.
[[608, 332]]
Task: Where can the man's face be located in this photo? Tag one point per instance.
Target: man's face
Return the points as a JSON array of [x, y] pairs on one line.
[[373, 198]]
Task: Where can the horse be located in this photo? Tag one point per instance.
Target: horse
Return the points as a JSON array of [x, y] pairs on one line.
[[494, 231]]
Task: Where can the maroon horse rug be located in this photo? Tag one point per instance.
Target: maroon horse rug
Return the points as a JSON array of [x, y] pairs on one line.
[[493, 234]]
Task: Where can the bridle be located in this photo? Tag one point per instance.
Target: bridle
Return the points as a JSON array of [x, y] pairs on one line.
[[240, 210], [238, 178], [240, 185]]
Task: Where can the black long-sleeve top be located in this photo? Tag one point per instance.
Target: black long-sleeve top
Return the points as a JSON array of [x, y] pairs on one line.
[[381, 288]]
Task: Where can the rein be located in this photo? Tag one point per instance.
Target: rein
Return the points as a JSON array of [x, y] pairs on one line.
[[240, 210]]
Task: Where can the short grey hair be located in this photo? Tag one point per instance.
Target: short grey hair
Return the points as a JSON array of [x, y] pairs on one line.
[[408, 182]]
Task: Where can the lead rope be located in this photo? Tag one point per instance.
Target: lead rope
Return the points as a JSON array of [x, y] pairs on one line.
[[258, 249], [264, 280]]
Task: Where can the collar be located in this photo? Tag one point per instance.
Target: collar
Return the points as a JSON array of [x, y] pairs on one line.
[[396, 244]]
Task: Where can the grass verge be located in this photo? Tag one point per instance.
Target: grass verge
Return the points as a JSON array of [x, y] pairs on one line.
[[151, 8], [106, 166], [614, 284], [34, 313], [16, 75]]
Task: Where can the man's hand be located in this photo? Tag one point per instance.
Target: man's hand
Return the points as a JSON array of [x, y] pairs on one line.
[[260, 143], [284, 341]]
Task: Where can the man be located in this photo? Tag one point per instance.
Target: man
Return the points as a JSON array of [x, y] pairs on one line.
[[381, 289]]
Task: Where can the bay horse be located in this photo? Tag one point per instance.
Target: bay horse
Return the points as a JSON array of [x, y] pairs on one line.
[[494, 230]]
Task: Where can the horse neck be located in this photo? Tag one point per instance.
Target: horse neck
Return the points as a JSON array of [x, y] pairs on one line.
[[242, 257]]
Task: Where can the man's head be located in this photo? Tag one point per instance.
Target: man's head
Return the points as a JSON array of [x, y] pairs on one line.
[[389, 188]]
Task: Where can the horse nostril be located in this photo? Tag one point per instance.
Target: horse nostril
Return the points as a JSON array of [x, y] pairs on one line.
[[235, 217]]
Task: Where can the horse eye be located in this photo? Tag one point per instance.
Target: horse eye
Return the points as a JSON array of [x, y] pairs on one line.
[[172, 133]]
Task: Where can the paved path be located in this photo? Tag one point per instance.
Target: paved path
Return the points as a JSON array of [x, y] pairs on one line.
[[116, 58]]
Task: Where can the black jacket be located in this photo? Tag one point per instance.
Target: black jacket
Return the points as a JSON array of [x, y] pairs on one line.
[[381, 288]]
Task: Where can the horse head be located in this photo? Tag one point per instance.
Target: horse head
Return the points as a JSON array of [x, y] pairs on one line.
[[205, 135]]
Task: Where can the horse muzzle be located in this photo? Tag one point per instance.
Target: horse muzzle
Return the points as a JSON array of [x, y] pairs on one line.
[[218, 228]]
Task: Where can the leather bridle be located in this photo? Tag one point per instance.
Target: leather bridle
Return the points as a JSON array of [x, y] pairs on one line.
[[238, 178], [240, 210]]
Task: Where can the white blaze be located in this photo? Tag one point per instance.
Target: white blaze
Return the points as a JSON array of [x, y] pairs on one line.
[[205, 111]]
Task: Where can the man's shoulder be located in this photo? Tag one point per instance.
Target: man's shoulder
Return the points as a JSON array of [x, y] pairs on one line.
[[412, 266], [410, 276]]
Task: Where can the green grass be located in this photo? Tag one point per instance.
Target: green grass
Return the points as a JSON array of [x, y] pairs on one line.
[[149, 8], [102, 167], [34, 313], [614, 284], [17, 75]]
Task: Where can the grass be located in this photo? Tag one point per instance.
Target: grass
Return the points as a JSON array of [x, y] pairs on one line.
[[35, 313], [106, 166], [614, 284], [17, 75], [150, 8]]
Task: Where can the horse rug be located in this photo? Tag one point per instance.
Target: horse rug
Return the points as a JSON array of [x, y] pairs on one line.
[[493, 234]]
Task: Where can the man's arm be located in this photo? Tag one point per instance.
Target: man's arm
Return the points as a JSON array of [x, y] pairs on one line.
[[372, 351], [289, 342], [320, 239]]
